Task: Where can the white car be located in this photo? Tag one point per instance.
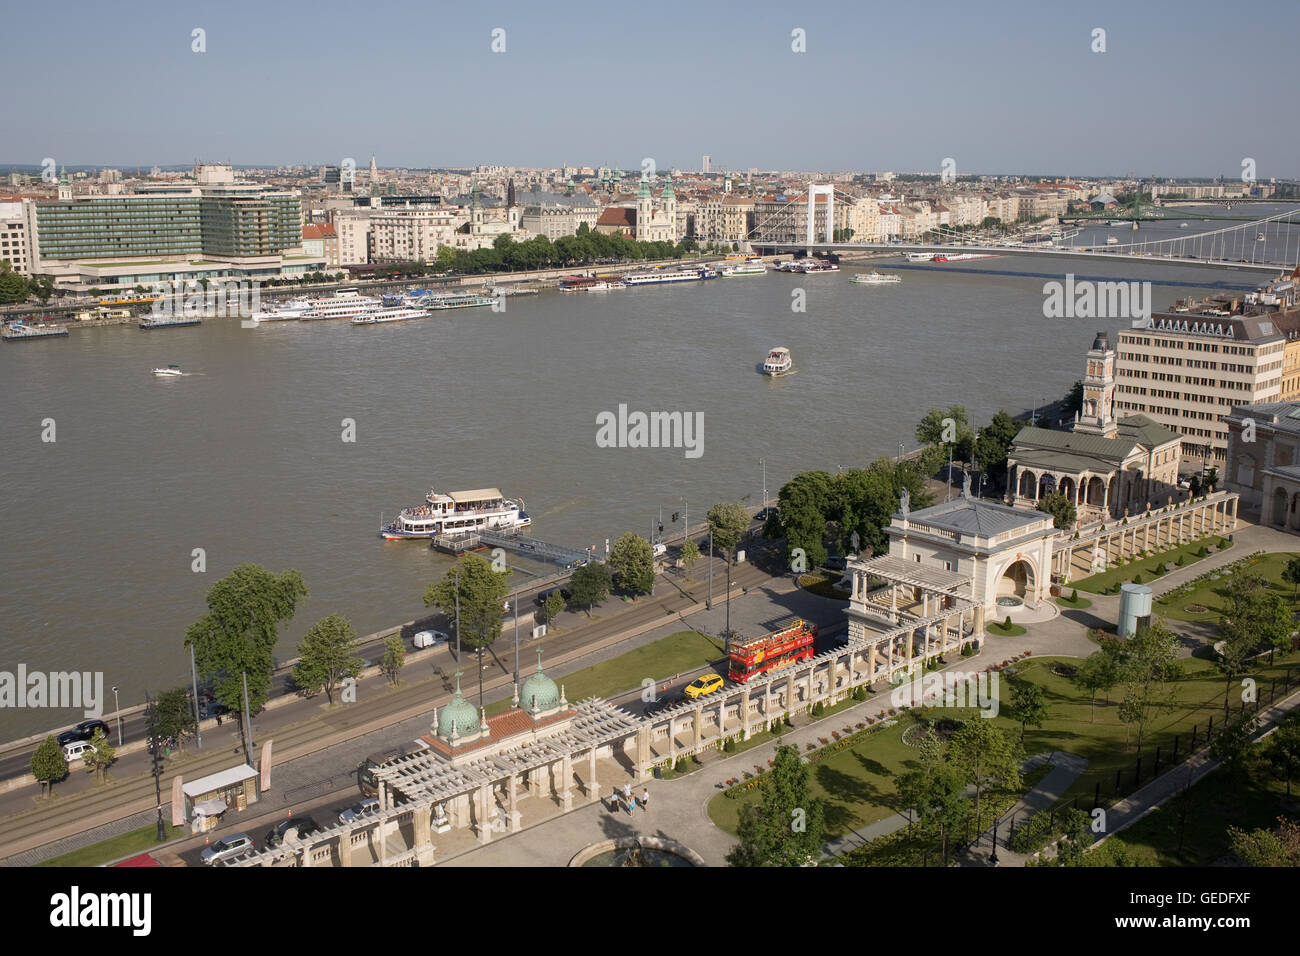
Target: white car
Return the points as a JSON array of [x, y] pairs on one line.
[[428, 639], [76, 750], [227, 847], [354, 813]]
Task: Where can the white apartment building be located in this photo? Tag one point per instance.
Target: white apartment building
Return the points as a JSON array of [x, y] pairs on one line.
[[15, 243]]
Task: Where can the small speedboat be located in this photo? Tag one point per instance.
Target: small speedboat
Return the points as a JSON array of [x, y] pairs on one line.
[[169, 370]]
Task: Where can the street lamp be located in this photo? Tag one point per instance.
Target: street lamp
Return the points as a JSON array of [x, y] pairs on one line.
[[686, 520], [763, 462], [117, 712], [997, 821], [900, 452]]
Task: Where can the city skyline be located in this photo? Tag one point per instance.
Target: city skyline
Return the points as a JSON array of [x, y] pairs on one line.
[[1021, 93]]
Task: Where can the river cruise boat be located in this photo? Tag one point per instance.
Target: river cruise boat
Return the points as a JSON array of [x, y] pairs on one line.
[[169, 321], [17, 330], [810, 266], [876, 278], [753, 266], [658, 276], [589, 284], [457, 512], [343, 304], [1119, 222], [920, 257], [778, 362], [791, 266], [290, 311], [381, 316], [456, 300]]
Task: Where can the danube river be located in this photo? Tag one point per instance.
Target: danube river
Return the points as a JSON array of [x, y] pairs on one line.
[[243, 456]]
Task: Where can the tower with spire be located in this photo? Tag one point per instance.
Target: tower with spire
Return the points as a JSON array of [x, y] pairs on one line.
[[1097, 417]]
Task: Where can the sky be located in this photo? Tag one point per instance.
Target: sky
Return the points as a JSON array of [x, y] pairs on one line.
[[1182, 88]]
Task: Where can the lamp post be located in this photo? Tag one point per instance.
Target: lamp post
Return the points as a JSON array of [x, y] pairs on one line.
[[194, 676], [686, 520], [997, 821], [151, 723], [900, 452], [709, 604], [457, 615], [117, 712], [763, 462], [515, 604]]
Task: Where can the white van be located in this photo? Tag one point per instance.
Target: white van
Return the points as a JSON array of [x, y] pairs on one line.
[[428, 639], [76, 750]]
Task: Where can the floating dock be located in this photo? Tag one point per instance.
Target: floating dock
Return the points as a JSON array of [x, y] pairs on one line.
[[516, 543]]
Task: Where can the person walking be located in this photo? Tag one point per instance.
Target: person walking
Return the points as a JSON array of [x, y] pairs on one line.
[[645, 799]]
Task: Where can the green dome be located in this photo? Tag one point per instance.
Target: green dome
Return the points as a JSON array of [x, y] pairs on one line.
[[538, 692], [460, 712]]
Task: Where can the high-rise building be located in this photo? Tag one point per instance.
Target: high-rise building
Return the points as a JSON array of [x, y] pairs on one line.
[[707, 165]]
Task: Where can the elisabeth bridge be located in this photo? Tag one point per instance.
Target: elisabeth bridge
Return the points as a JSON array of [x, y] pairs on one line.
[[1270, 244]]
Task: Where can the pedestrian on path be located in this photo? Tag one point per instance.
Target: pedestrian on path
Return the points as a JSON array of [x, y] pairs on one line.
[[645, 799], [615, 800]]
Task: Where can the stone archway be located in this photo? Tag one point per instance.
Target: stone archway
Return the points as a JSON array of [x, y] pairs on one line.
[[1279, 507], [1017, 580], [1116, 506], [1068, 488], [1294, 522], [1096, 493], [1028, 484]]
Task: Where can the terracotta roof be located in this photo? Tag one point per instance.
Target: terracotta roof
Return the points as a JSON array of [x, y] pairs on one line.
[[619, 216]]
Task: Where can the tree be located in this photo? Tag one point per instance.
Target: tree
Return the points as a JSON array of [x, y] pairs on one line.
[[804, 501], [1074, 400], [1212, 479], [727, 523], [99, 756], [787, 826], [49, 766], [237, 636], [482, 592], [1277, 847], [985, 754], [1060, 507], [394, 658], [632, 564], [1291, 575], [937, 791], [175, 714], [327, 656], [993, 444], [1147, 671], [1078, 837], [1283, 752], [1195, 486], [554, 605], [1252, 616], [1231, 744], [590, 584], [690, 554], [951, 427], [13, 287], [1098, 673], [1028, 705]]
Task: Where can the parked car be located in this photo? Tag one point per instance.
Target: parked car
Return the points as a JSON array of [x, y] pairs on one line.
[[76, 750], [764, 514], [543, 595], [227, 848], [213, 709], [837, 563], [83, 731], [428, 639], [703, 685], [359, 810], [305, 826]]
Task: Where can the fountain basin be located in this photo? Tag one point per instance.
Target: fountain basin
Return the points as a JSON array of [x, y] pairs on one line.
[[655, 851]]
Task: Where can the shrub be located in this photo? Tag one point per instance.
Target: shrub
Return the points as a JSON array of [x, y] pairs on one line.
[[1074, 594], [1137, 579], [729, 746], [1182, 559], [1006, 622]]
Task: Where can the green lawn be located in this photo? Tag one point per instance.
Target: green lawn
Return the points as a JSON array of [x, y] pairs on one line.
[[1192, 828], [1078, 604], [1209, 594], [1126, 572], [661, 659], [126, 845], [1015, 630], [857, 783]]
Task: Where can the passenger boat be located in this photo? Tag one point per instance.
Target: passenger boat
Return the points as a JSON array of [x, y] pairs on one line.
[[1112, 241], [17, 330], [457, 512], [876, 278], [588, 284], [818, 265], [1118, 222], [380, 316], [169, 321], [456, 300], [791, 266], [290, 311], [778, 362], [170, 370], [920, 257], [658, 276], [343, 304], [752, 266]]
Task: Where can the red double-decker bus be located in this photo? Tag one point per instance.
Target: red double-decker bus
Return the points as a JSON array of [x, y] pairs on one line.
[[788, 644]]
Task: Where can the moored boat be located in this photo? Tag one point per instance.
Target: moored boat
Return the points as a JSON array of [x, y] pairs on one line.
[[380, 316], [657, 276], [457, 512], [16, 330], [343, 304], [876, 278]]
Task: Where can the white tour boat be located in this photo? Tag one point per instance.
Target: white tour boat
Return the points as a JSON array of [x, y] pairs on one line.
[[658, 276], [920, 257], [876, 278], [290, 311], [343, 304], [169, 370], [778, 362], [752, 266], [396, 314], [457, 512], [810, 266]]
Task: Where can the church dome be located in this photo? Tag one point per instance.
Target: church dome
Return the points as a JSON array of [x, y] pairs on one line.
[[1099, 344], [459, 712], [538, 693]]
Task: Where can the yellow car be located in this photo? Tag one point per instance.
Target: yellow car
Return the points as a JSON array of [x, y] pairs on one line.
[[703, 685]]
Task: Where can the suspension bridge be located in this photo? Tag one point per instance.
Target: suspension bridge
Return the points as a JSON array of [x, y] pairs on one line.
[[1269, 244]]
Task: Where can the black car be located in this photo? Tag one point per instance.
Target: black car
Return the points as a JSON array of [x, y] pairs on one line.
[[543, 595], [304, 825], [83, 731], [837, 563]]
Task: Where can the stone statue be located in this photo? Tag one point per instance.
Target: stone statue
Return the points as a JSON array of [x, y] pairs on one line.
[[904, 502], [965, 486]]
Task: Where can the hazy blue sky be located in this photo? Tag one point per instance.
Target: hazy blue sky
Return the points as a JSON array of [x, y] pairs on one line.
[[1184, 88]]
